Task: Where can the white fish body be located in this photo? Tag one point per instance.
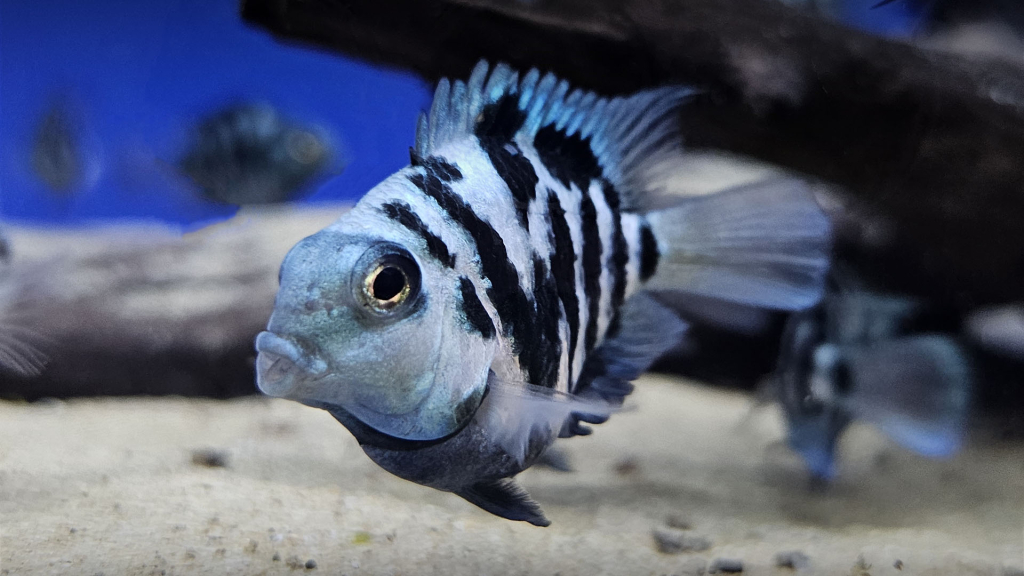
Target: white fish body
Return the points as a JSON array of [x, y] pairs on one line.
[[496, 293]]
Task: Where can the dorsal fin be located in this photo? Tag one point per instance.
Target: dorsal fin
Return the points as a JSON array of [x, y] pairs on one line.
[[628, 135]]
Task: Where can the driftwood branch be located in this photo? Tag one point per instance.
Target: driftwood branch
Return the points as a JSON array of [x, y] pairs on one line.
[[932, 141]]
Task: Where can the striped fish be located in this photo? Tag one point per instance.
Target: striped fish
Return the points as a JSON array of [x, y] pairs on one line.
[[502, 290]]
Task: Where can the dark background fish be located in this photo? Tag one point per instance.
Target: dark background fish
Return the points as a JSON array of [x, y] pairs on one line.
[[251, 154]]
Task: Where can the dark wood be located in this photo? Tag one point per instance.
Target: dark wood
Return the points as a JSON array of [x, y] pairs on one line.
[[933, 141]]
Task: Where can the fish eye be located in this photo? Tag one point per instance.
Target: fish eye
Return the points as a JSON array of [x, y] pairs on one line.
[[387, 284], [391, 281]]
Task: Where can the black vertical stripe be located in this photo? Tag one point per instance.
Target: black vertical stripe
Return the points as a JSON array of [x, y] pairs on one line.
[[649, 254], [591, 268], [517, 172], [443, 169], [563, 268], [619, 258], [505, 293], [542, 364], [476, 315], [403, 214], [567, 158], [499, 122], [525, 324], [571, 160]]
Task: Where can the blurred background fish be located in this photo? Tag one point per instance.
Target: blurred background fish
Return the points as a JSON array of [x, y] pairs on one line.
[[65, 153], [873, 358], [198, 107], [250, 153]]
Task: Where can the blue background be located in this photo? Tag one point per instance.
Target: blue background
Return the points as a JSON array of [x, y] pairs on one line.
[[140, 73]]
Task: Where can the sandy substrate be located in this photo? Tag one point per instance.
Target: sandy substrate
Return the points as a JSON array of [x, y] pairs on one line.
[[110, 486]]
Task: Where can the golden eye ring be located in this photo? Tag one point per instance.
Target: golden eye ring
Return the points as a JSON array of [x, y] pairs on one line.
[[386, 286], [386, 283]]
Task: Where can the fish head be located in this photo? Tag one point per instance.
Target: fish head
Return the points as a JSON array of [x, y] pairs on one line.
[[364, 325]]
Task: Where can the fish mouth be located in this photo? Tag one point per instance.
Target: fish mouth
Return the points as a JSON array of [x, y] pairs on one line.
[[289, 367], [284, 367]]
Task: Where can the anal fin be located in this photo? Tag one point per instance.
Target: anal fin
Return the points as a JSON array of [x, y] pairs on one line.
[[647, 329], [503, 497]]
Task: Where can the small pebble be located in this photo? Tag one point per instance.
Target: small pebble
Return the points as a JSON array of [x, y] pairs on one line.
[[674, 542], [727, 565], [794, 559], [678, 521], [276, 557], [310, 564], [210, 458], [898, 564]]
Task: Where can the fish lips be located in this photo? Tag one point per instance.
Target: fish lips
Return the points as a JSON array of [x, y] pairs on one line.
[[284, 369]]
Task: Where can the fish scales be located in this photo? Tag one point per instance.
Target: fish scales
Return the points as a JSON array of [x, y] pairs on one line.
[[526, 315], [498, 292]]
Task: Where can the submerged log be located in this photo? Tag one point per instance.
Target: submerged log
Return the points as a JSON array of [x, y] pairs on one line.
[[130, 310], [931, 141]]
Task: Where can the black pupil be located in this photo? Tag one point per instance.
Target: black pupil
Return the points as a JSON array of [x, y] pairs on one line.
[[389, 283]]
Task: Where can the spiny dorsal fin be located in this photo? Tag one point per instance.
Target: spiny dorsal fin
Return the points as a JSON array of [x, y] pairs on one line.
[[628, 135], [503, 497]]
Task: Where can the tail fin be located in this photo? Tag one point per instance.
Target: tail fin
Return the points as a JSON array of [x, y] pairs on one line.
[[764, 244], [915, 389]]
